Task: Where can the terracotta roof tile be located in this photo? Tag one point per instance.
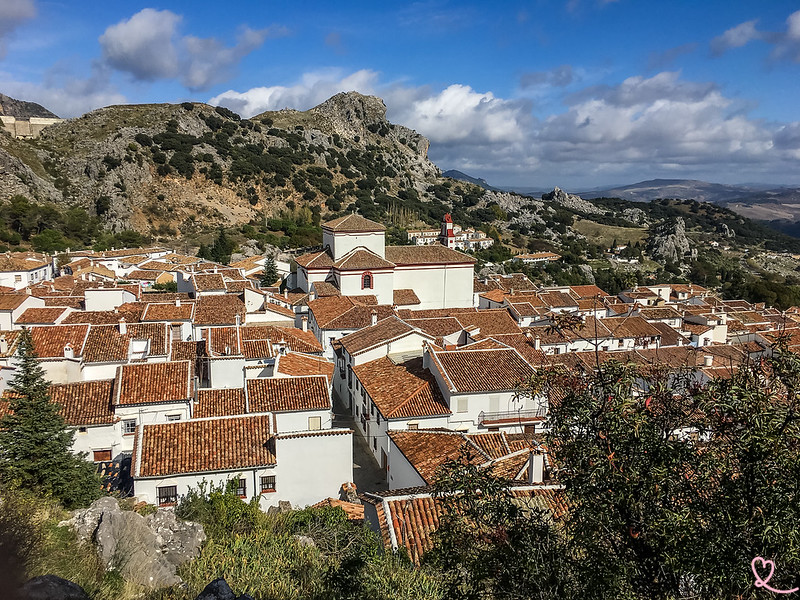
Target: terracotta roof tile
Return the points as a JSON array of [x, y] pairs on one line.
[[387, 330], [295, 339], [435, 254], [406, 297], [151, 383], [324, 288], [203, 445], [482, 370], [85, 402], [286, 394], [401, 390], [12, 301], [169, 312], [219, 403], [296, 364], [359, 259], [353, 222], [67, 301], [192, 351], [44, 316], [49, 341], [315, 260], [218, 310], [345, 312]]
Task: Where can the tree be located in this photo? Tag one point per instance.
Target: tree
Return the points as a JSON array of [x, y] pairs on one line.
[[270, 274], [490, 544], [35, 443]]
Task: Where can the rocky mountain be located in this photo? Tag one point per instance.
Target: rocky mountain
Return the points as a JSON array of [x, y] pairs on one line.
[[179, 168], [23, 110], [668, 241], [459, 176]]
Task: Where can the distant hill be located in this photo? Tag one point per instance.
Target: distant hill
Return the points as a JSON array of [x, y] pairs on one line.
[[23, 110], [756, 201], [458, 175]]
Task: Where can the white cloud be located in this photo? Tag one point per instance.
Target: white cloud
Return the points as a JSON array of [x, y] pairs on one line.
[[736, 37], [312, 89], [12, 14], [148, 47], [64, 93], [143, 45]]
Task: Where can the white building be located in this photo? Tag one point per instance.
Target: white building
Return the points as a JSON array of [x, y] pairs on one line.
[[357, 262]]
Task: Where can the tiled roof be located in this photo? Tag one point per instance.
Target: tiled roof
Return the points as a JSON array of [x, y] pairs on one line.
[[192, 351], [12, 301], [218, 310], [323, 288], [222, 341], [315, 260], [587, 291], [482, 370], [208, 281], [427, 450], [254, 349], [85, 402], [406, 297], [491, 322], [296, 364], [387, 330], [150, 383], [94, 317], [353, 223], [67, 301], [436, 326], [354, 512], [669, 336], [295, 339], [106, 344], [627, 327], [513, 281], [435, 254], [49, 340], [415, 517], [359, 259], [169, 312], [12, 339], [403, 390], [285, 394], [140, 275], [10, 263], [48, 315], [278, 309], [219, 403], [345, 312], [203, 445]]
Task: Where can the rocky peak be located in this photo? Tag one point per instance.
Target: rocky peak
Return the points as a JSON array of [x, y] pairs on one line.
[[354, 109], [571, 201], [20, 109], [668, 240]]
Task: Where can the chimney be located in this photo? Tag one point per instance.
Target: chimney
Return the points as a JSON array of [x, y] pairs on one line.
[[536, 467], [178, 301], [286, 293], [238, 321], [68, 351], [215, 268], [374, 316], [537, 343], [708, 360], [28, 290], [3, 345], [123, 326], [304, 323]]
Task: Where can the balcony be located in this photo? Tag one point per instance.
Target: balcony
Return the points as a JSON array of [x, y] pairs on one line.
[[511, 417]]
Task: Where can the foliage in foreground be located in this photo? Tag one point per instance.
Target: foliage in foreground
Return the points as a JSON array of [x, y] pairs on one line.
[[35, 443]]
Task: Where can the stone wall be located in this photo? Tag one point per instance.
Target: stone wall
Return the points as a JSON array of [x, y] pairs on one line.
[[26, 128]]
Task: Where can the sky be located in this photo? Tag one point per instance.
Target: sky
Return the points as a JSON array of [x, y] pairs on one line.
[[576, 93]]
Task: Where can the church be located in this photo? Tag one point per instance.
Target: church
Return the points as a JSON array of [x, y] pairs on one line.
[[357, 262]]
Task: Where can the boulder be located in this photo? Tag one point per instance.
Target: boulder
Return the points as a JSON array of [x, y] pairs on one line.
[[51, 587], [668, 241], [145, 550], [217, 590], [284, 506]]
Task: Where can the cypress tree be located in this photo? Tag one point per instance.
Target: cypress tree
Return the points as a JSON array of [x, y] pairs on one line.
[[35, 443], [270, 274]]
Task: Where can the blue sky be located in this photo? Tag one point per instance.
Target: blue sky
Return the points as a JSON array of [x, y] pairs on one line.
[[575, 93]]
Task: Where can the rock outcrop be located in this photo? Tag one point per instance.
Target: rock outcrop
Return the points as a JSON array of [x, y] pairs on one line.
[[668, 241], [145, 550], [220, 590], [572, 202], [21, 109]]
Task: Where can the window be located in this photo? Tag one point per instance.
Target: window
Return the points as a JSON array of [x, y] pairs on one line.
[[366, 281], [378, 418], [101, 455], [17, 278], [167, 495], [82, 429], [413, 426], [173, 417], [129, 427], [375, 443], [267, 484], [314, 423], [463, 405], [241, 488]]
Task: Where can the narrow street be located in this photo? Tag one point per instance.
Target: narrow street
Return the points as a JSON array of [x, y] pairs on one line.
[[367, 473]]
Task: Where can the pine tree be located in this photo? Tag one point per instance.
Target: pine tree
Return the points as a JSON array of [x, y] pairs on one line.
[[270, 274], [35, 443]]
